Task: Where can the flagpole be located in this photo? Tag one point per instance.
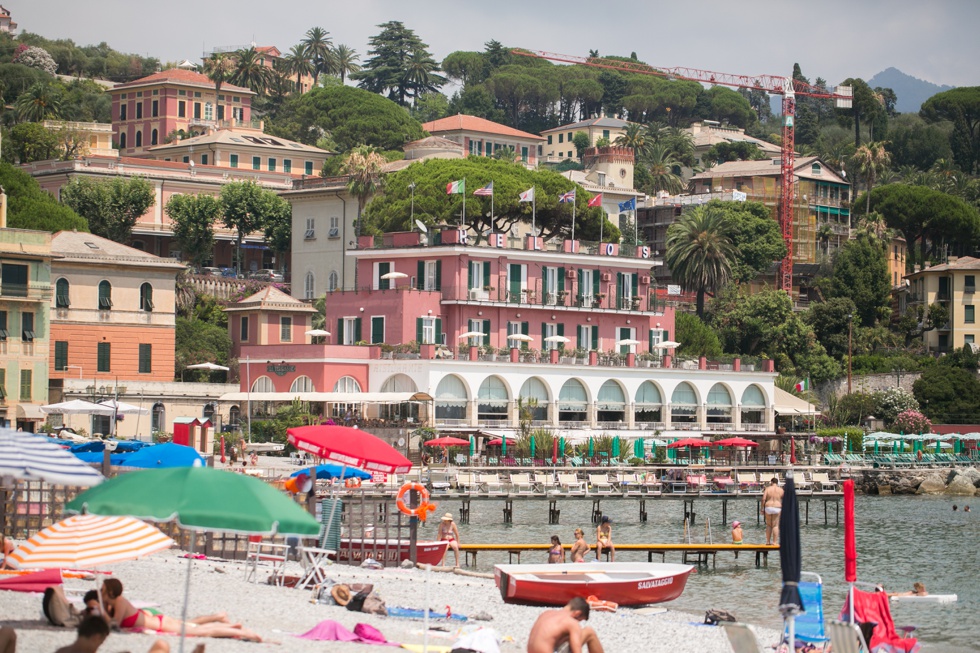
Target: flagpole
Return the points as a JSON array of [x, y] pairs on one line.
[[463, 223], [636, 227], [491, 205], [573, 217], [534, 205]]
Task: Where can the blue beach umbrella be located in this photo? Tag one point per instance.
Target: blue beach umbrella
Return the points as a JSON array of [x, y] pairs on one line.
[[164, 455], [331, 471]]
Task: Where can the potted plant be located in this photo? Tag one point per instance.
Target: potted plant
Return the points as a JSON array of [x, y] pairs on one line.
[[464, 349], [598, 299], [581, 356]]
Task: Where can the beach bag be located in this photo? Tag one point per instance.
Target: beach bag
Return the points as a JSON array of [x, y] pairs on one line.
[[712, 617]]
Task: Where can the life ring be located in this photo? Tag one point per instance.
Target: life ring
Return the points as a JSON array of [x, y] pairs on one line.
[[424, 507], [352, 482]]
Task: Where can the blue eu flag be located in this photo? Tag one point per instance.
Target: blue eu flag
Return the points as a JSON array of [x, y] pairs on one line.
[[629, 205]]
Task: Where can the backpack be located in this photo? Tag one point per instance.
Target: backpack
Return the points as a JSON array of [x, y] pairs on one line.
[[712, 617]]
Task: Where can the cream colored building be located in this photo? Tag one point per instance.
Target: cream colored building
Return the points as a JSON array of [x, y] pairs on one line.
[[97, 136], [709, 133], [559, 144], [954, 286], [244, 149]]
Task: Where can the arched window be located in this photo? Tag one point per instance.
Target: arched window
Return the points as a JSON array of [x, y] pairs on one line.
[[146, 297], [333, 281], [684, 404], [263, 384], [302, 384], [308, 291], [648, 404], [139, 138], [209, 410], [234, 417], [492, 399], [611, 403], [399, 383], [105, 295], [347, 384], [154, 137], [534, 397], [719, 405], [158, 418], [402, 411], [573, 402], [753, 406], [122, 140], [61, 290], [451, 398]]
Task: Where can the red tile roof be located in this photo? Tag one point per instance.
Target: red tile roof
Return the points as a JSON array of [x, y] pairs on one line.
[[181, 76], [461, 122], [268, 49]]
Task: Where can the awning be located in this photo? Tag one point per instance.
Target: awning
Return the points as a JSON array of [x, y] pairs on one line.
[[789, 404], [30, 412], [330, 397]]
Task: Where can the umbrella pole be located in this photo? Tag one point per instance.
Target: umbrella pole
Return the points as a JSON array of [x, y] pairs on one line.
[[187, 593], [425, 617], [850, 599], [333, 509]]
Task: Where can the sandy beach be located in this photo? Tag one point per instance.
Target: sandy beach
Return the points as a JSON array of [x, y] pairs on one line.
[[278, 614]]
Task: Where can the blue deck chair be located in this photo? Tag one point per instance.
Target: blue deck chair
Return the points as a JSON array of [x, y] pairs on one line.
[[809, 625]]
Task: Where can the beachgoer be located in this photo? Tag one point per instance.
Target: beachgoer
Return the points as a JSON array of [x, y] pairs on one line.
[[772, 505], [736, 532], [6, 548], [254, 459], [603, 537], [560, 630], [556, 554], [126, 616], [966, 508], [580, 548], [918, 589], [449, 533], [955, 508], [94, 631]]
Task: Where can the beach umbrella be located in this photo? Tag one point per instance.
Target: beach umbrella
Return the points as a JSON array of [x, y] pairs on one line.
[[472, 446], [790, 558], [561, 446], [471, 334], [533, 447], [792, 450], [615, 447], [88, 541], [212, 367], [638, 448], [735, 442], [388, 276], [688, 442], [667, 344], [349, 446], [76, 407], [198, 499], [850, 542], [876, 447], [591, 447], [330, 471], [559, 339], [937, 445], [447, 441], [503, 446], [520, 337], [554, 451], [318, 333], [164, 455], [29, 457]]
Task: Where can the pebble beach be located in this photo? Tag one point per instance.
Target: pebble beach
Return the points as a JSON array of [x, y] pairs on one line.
[[277, 614]]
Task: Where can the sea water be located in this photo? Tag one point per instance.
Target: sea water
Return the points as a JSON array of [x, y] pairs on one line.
[[900, 540]]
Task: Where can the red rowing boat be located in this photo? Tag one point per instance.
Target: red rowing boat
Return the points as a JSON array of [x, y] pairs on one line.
[[390, 552], [625, 583]]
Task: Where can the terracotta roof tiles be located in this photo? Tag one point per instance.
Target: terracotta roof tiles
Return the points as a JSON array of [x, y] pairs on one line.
[[461, 122], [181, 76]]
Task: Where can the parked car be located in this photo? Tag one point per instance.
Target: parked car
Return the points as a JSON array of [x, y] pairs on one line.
[[229, 273], [267, 275], [211, 272]]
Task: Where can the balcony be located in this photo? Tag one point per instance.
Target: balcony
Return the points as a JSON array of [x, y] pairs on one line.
[[26, 292]]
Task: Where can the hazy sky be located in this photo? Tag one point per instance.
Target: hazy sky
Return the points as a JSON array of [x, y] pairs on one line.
[[833, 39]]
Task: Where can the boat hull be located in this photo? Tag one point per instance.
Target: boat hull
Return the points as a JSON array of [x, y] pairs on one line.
[[390, 552], [625, 583]]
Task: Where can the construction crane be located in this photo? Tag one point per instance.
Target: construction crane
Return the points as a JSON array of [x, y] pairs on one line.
[[787, 87]]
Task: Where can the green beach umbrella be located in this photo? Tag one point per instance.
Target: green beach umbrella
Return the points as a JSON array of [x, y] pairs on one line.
[[472, 446], [503, 445], [638, 448], [615, 447], [876, 447], [937, 445], [533, 446], [561, 446], [591, 447]]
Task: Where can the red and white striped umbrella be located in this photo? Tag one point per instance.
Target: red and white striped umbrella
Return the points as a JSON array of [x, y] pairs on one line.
[[88, 541]]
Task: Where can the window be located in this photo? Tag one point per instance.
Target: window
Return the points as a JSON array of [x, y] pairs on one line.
[[122, 112], [208, 111], [349, 330], [524, 154], [221, 112], [62, 298], [186, 159], [815, 169], [155, 108], [204, 159], [182, 109], [588, 337], [27, 326], [26, 381], [154, 137], [139, 138], [287, 165], [146, 358], [197, 110], [347, 384], [233, 160], [310, 229], [969, 314], [234, 416], [332, 281], [549, 332], [104, 357], [428, 330], [302, 384], [285, 328], [3, 326], [263, 384], [256, 163], [429, 275], [61, 355], [308, 286], [13, 280], [308, 169], [334, 231], [549, 139], [602, 178], [243, 328], [272, 164], [105, 295], [3, 384], [158, 418], [970, 283], [139, 110]]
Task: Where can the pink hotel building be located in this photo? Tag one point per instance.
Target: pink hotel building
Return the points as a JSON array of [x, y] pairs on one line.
[[587, 325]]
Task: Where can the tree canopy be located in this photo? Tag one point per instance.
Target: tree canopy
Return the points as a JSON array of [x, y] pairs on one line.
[[193, 218], [949, 394], [247, 207], [399, 65], [961, 106], [861, 275], [755, 237], [696, 337], [29, 207], [700, 250], [111, 206]]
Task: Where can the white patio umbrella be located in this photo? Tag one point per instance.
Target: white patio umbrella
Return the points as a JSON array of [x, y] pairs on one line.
[[522, 337], [76, 407], [208, 366], [318, 333], [394, 275], [561, 339], [627, 342], [122, 408], [667, 344], [471, 334]]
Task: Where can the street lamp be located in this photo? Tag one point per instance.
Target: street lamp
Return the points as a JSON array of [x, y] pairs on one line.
[[850, 332]]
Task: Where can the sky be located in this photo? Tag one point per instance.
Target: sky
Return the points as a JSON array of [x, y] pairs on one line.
[[833, 39]]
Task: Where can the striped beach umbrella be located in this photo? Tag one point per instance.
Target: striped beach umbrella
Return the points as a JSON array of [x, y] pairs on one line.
[[30, 457], [89, 541]]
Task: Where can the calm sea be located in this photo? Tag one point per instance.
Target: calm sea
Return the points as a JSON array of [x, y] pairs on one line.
[[899, 539]]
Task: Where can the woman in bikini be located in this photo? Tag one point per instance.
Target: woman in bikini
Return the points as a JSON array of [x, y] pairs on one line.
[[603, 536], [449, 533], [125, 615], [556, 554]]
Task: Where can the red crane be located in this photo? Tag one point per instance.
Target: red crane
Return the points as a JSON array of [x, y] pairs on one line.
[[788, 87]]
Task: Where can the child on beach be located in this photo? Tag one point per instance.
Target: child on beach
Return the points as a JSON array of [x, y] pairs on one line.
[[556, 554], [736, 532]]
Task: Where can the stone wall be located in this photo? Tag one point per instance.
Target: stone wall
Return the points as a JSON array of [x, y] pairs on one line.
[[869, 383], [959, 481]]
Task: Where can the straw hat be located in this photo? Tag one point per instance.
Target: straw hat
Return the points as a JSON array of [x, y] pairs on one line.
[[340, 594], [447, 517]]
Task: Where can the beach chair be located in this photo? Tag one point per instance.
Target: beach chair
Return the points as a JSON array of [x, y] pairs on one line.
[[722, 484], [569, 482], [696, 483], [846, 637], [267, 554], [822, 482], [742, 637], [546, 481], [519, 482], [652, 485], [873, 607], [809, 626], [628, 484], [748, 483], [600, 483], [466, 481], [491, 483]]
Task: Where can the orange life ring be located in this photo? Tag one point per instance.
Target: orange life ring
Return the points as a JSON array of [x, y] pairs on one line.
[[352, 482], [424, 507]]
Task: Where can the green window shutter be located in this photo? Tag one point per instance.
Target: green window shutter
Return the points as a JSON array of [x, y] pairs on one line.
[[471, 277], [486, 330], [357, 329], [104, 357], [377, 330], [544, 325], [580, 341], [581, 292], [420, 279], [438, 335], [60, 355], [525, 328], [3, 383], [544, 283], [340, 331], [145, 358], [636, 284], [561, 332], [650, 341], [561, 279], [486, 273], [383, 269], [418, 330], [595, 282], [26, 391], [515, 282], [595, 338], [663, 336], [438, 275]]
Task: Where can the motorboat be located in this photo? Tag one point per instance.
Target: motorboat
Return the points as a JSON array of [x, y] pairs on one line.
[[624, 583], [390, 552]]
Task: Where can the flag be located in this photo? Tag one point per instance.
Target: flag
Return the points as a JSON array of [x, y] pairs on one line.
[[485, 190], [566, 198], [628, 205], [739, 196], [803, 385], [456, 187], [596, 201], [528, 195]]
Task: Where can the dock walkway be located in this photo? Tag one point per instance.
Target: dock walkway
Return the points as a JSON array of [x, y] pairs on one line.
[[690, 552]]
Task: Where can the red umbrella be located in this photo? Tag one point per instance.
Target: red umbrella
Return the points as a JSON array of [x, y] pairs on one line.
[[447, 441], [689, 442], [735, 442], [554, 452], [495, 443], [350, 447], [850, 541]]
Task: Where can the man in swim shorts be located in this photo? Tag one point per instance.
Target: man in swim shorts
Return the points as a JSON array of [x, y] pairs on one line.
[[559, 631], [772, 505], [580, 548], [93, 632]]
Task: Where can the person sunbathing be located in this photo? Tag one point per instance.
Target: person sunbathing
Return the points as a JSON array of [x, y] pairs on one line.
[[125, 615], [918, 589], [93, 632]]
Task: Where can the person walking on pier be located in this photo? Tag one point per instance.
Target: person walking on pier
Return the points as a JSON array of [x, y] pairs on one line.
[[772, 505], [580, 548]]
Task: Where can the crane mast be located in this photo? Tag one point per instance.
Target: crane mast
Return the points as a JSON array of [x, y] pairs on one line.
[[787, 87]]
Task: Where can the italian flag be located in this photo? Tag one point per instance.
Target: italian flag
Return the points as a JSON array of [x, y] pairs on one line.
[[802, 386], [456, 187]]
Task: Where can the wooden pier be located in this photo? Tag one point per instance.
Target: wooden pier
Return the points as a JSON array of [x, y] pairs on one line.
[[691, 553]]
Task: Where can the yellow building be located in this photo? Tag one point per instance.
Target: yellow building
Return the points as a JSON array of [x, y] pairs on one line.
[[96, 137], [952, 285], [560, 146]]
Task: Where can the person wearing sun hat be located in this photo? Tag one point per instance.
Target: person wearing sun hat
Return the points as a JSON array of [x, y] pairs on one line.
[[736, 532], [449, 533]]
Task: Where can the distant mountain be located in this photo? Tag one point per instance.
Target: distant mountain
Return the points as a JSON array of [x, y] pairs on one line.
[[911, 91]]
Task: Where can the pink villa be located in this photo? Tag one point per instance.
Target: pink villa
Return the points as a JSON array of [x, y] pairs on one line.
[[483, 137]]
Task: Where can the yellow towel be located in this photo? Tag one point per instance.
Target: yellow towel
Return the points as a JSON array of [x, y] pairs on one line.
[[433, 648]]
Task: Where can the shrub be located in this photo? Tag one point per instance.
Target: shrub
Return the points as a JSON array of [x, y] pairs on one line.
[[891, 402], [35, 57], [912, 421]]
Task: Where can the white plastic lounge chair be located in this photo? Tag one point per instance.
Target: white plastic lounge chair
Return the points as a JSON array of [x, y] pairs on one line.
[[600, 483], [748, 483], [466, 481], [569, 482], [491, 483], [521, 483], [846, 638], [742, 637]]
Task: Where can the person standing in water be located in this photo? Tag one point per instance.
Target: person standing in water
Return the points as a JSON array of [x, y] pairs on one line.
[[580, 548], [736, 532], [556, 554], [772, 505]]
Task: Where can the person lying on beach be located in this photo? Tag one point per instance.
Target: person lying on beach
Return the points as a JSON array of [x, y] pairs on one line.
[[556, 554], [126, 616], [603, 537], [94, 631], [559, 630], [6, 548], [580, 548], [918, 589]]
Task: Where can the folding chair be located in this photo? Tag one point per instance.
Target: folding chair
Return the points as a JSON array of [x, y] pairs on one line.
[[846, 638], [742, 637], [265, 553], [809, 624], [600, 483]]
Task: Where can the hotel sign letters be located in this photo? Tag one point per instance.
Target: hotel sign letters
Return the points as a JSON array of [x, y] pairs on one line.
[[280, 369]]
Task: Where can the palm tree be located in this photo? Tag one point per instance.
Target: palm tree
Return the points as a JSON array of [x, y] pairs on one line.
[[345, 61], [297, 62], [363, 166], [699, 251], [249, 71], [661, 162], [317, 45], [634, 136], [872, 159], [421, 74], [824, 234], [37, 103], [218, 67], [874, 225]]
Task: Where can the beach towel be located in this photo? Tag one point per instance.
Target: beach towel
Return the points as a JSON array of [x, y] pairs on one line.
[[36, 581], [331, 631], [872, 607]]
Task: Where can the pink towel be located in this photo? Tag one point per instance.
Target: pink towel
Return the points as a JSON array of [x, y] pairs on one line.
[[332, 631]]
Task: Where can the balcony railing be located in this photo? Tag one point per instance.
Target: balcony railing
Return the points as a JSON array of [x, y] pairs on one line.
[[24, 291]]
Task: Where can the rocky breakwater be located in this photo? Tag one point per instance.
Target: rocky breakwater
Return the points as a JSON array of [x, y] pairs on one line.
[[958, 481]]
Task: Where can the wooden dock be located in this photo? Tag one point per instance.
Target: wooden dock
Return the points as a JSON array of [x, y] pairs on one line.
[[691, 553]]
